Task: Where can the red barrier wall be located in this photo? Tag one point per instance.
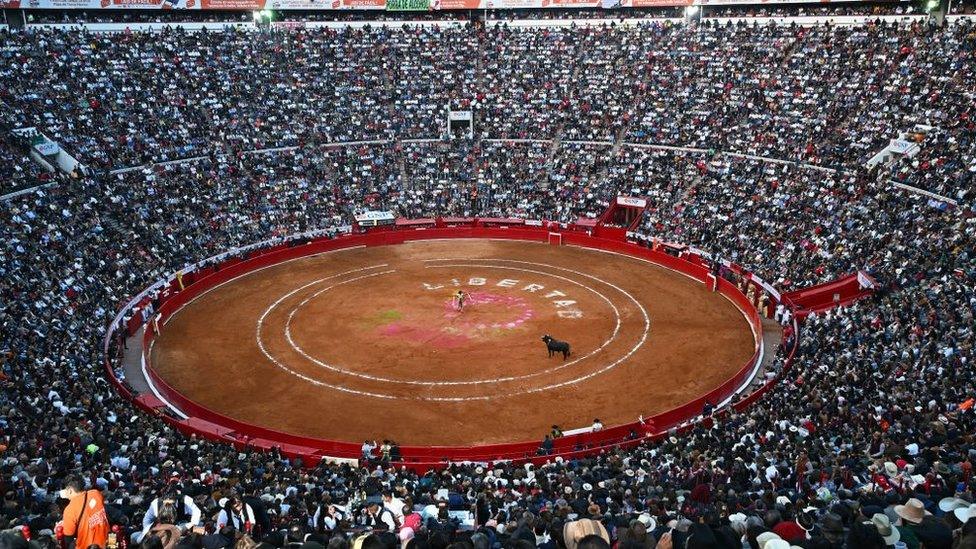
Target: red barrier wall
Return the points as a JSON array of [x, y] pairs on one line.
[[210, 424], [840, 292]]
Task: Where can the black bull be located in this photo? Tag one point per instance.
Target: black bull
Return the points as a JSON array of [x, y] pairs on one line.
[[555, 346]]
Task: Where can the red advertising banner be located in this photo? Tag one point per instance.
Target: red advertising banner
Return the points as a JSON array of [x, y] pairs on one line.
[[363, 4], [655, 3]]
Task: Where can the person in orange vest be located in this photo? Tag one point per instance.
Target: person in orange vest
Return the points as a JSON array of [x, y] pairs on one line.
[[84, 518]]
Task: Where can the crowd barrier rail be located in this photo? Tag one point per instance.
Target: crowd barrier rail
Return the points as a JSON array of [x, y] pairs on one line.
[[836, 293], [192, 418]]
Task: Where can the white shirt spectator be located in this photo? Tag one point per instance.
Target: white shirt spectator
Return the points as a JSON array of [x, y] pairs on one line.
[[190, 509], [395, 505], [240, 519]]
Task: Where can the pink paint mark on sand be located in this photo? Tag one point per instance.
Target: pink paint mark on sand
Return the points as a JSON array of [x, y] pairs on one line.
[[463, 326], [475, 299]]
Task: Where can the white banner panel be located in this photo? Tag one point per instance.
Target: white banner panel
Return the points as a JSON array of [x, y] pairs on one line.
[[631, 201]]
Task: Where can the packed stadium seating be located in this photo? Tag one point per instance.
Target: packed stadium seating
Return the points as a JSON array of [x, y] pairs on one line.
[[875, 410]]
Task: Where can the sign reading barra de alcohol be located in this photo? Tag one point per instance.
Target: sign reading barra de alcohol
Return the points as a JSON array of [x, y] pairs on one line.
[[407, 5]]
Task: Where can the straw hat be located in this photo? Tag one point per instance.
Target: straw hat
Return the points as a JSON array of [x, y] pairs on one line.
[[913, 511], [579, 529]]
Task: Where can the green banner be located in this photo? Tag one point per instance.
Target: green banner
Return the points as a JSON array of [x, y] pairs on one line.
[[407, 5]]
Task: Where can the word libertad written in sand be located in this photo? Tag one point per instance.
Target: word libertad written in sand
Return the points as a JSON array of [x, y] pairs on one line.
[[565, 307]]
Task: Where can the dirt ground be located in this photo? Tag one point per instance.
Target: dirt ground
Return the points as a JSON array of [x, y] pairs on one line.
[[367, 343]]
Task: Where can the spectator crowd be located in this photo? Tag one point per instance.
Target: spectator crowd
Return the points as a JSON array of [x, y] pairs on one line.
[[772, 91]]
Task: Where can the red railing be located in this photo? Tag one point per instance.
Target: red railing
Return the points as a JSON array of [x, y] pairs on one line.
[[216, 426], [836, 293]]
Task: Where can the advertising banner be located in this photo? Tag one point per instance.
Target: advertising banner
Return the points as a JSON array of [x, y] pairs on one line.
[[654, 3], [302, 4], [455, 4], [362, 4], [864, 280], [512, 4], [570, 3], [232, 4], [900, 146], [631, 201], [375, 218], [407, 5], [46, 147]]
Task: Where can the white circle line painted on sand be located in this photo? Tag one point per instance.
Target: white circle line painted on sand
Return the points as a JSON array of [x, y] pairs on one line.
[[297, 348], [276, 362], [608, 367], [643, 339]]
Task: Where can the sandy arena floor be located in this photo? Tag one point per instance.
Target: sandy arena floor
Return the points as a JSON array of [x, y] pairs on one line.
[[365, 343]]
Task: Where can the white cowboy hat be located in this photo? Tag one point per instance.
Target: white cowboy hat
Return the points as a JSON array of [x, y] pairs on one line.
[[952, 503], [965, 513], [648, 521], [765, 537], [737, 517]]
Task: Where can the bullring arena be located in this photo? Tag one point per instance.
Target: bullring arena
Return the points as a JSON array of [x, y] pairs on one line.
[[369, 338], [363, 330]]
